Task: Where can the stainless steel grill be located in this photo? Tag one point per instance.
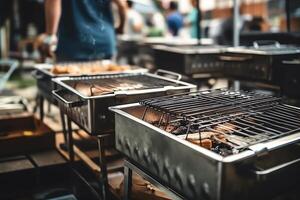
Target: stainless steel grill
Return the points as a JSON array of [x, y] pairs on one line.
[[191, 61], [216, 144], [85, 99], [44, 75], [260, 62], [234, 120]]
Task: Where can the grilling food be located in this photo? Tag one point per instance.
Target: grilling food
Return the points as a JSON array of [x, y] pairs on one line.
[[87, 68], [89, 89], [226, 128], [215, 139], [218, 138], [206, 143]]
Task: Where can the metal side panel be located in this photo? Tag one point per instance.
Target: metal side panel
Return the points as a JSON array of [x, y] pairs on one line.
[[263, 176], [183, 169]]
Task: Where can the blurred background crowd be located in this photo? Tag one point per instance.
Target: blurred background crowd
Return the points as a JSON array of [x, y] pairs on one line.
[[21, 21]]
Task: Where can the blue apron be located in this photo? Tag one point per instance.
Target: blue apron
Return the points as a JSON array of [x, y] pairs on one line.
[[86, 31]]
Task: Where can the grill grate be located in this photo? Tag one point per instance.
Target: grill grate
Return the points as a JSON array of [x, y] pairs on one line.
[[229, 121], [97, 85]]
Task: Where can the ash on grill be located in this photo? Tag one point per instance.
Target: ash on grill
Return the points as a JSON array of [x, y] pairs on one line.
[[226, 122]]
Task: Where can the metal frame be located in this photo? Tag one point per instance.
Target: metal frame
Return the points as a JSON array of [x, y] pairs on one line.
[[183, 85], [103, 178], [68, 136], [129, 167]]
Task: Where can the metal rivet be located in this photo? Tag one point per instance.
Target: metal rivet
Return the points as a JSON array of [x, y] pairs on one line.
[[136, 152], [192, 184], [205, 188]]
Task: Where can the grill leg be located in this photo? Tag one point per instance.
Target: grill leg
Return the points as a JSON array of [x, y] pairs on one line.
[[63, 123], [49, 107], [127, 182], [41, 106], [36, 105], [103, 179], [70, 148], [70, 141]]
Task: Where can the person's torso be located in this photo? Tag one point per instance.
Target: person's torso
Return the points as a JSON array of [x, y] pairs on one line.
[[175, 22], [86, 30]]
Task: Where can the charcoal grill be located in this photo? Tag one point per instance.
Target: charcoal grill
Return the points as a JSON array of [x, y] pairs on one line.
[[143, 47], [44, 78], [45, 84], [190, 61], [90, 111], [260, 62], [216, 144]]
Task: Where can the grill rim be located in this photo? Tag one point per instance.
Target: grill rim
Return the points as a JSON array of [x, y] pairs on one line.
[[253, 150], [181, 85], [264, 52]]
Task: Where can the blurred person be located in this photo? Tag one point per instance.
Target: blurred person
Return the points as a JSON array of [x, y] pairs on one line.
[[225, 36], [174, 19], [156, 22], [155, 26], [253, 24], [82, 30], [134, 22], [192, 20]]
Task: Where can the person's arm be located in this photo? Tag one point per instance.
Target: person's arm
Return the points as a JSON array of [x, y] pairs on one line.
[[122, 15], [52, 16], [49, 38]]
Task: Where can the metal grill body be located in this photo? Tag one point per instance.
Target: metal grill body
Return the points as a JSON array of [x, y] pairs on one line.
[[190, 60], [91, 112], [260, 64], [45, 84], [258, 148]]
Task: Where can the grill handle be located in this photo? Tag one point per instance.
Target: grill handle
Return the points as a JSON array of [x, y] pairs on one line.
[[170, 74], [36, 75], [235, 58], [277, 170], [69, 104], [259, 43]]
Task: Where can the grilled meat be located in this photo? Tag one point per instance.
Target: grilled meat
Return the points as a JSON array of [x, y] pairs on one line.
[[87, 68]]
